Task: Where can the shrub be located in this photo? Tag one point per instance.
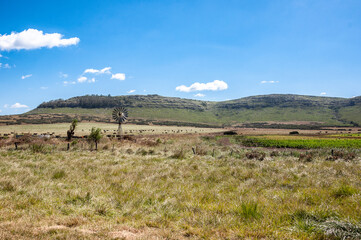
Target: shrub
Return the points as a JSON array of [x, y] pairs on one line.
[[306, 157], [129, 151], [7, 186], [142, 152], [223, 141], [179, 154], [344, 191], [200, 150], [58, 174], [37, 148], [341, 155], [256, 155], [74, 142], [26, 138], [248, 210], [275, 154], [294, 133], [229, 133]]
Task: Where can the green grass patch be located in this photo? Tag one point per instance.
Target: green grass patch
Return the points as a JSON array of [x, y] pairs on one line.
[[309, 143]]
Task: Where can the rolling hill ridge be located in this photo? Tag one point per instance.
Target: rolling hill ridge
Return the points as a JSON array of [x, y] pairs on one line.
[[262, 110]]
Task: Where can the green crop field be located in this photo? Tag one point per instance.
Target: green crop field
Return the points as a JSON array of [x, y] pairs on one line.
[[299, 142], [179, 187]]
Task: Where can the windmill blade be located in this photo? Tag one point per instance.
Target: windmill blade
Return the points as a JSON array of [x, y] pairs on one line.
[[120, 114]]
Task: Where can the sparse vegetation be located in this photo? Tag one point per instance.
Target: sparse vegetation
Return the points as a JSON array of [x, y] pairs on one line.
[[157, 187]]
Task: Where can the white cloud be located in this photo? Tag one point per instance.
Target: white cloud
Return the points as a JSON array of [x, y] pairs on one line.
[[199, 95], [63, 75], [96, 71], [131, 91], [18, 105], [323, 94], [6, 65], [68, 82], [82, 79], [216, 85], [26, 76], [33, 39], [119, 76], [43, 88], [106, 70], [6, 105], [263, 82]]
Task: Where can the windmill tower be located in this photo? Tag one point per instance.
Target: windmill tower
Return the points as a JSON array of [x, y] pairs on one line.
[[120, 115]]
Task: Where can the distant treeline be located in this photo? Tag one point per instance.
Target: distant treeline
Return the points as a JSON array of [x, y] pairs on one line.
[[139, 101], [156, 101]]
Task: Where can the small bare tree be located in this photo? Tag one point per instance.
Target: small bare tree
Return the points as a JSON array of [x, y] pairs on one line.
[[95, 136], [70, 132]]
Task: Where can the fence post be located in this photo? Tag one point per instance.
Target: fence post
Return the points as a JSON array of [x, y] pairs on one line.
[[194, 151]]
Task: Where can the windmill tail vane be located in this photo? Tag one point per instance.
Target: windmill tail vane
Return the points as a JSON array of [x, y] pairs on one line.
[[120, 114]]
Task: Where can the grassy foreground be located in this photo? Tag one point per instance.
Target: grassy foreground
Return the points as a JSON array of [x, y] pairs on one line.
[[160, 189]]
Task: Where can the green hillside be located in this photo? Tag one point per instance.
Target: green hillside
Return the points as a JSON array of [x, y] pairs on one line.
[[263, 109]]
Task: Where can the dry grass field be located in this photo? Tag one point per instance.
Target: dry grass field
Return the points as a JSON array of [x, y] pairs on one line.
[[179, 186], [84, 128]]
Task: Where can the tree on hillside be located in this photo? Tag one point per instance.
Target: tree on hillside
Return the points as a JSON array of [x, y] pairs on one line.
[[70, 132]]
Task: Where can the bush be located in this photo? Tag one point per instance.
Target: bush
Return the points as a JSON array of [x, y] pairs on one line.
[[58, 174], [129, 151], [223, 142], [229, 133], [344, 191], [7, 186], [275, 154], [37, 148], [248, 210], [294, 133], [179, 154], [306, 157], [256, 155], [200, 150], [142, 152], [73, 143], [341, 155]]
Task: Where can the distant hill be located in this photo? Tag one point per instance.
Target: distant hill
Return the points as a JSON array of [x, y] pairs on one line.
[[264, 110]]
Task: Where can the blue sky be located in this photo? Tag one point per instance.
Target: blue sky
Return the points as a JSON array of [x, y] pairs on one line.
[[62, 49]]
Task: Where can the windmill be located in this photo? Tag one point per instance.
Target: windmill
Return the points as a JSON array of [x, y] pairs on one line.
[[120, 114]]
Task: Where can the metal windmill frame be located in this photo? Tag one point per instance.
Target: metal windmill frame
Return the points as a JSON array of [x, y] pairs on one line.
[[120, 114]]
